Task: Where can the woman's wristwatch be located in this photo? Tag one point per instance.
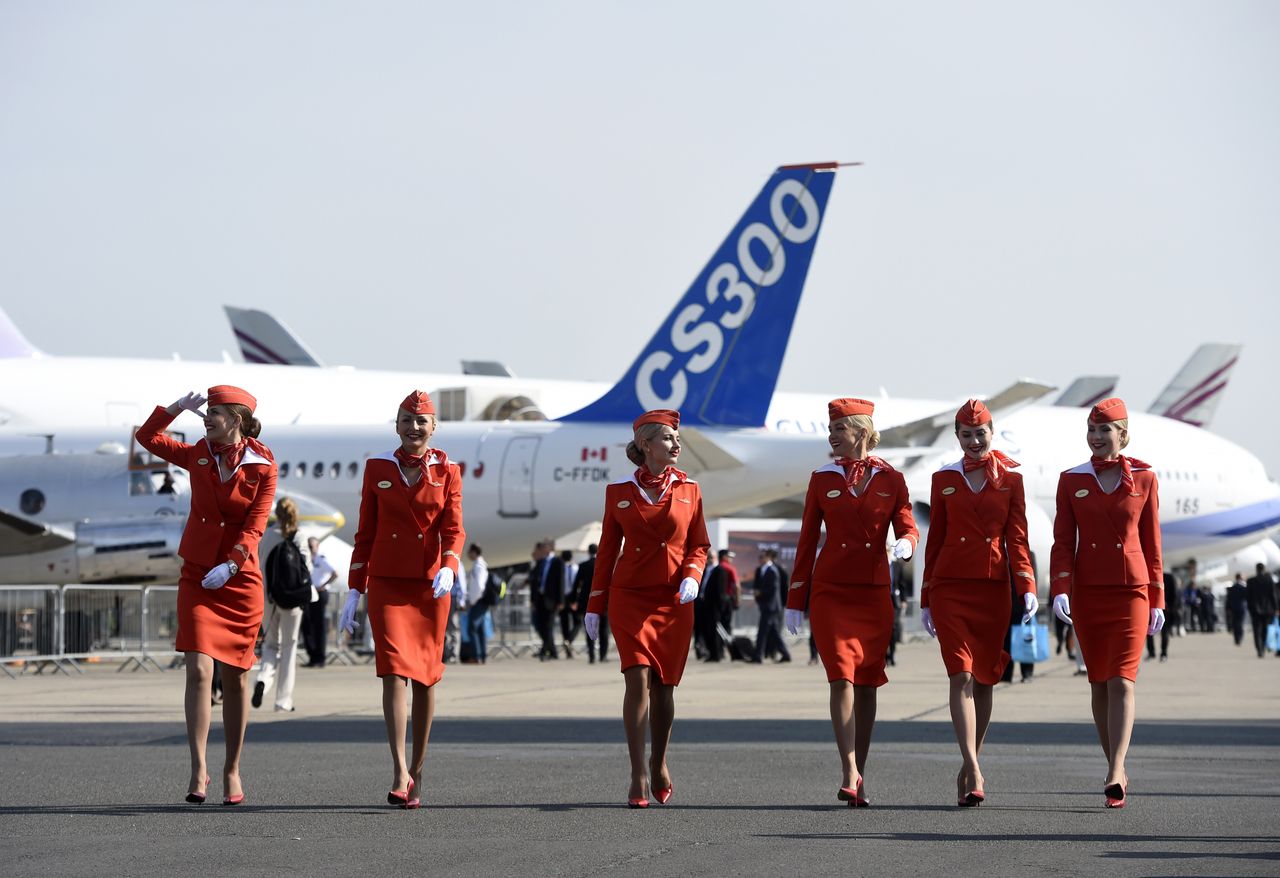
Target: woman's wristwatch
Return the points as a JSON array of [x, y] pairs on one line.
[[234, 567]]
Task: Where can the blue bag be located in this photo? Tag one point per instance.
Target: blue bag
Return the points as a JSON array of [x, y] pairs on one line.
[[1273, 636], [1029, 643]]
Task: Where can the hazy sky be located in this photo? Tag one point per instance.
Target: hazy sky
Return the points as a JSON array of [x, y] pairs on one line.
[[1049, 190]]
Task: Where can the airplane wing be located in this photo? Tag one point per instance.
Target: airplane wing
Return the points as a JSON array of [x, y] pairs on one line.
[[264, 339], [699, 454], [20, 535], [926, 431], [1194, 393], [1087, 391]]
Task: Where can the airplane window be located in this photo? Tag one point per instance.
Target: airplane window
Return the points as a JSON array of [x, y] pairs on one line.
[[352, 470], [317, 469], [32, 501], [335, 470], [300, 470], [284, 470]]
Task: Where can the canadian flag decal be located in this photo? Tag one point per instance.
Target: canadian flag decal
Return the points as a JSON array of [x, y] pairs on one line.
[[600, 453]]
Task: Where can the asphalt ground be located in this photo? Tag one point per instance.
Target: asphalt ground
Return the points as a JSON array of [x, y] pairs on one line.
[[527, 775]]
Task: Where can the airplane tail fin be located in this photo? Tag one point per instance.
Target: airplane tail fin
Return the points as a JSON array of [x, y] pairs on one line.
[[717, 355], [264, 339], [13, 344], [1087, 391], [1194, 393]]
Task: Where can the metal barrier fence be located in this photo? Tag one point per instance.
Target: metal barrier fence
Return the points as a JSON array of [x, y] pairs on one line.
[[55, 628]]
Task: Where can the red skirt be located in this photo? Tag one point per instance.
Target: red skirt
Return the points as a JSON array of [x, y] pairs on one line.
[[972, 619], [852, 625], [1111, 624], [222, 622], [650, 627], [408, 628]]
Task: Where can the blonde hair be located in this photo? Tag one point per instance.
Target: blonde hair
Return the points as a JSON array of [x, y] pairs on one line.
[[647, 432], [863, 423], [287, 516], [1123, 426]]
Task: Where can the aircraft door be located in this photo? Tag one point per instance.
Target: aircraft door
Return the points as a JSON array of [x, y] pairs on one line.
[[515, 489]]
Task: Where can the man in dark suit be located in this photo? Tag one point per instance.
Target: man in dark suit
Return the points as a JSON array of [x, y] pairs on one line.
[[1172, 616], [582, 594], [769, 597], [715, 596], [1262, 606], [546, 595]]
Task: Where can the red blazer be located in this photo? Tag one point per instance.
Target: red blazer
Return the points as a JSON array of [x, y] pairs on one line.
[[648, 545], [223, 515], [1107, 539], [857, 530], [976, 534], [407, 531]]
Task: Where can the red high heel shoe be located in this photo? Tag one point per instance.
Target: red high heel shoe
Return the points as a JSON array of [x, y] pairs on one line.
[[973, 799], [233, 800], [1115, 795], [859, 800], [398, 798], [198, 798], [851, 794], [664, 796], [413, 803], [637, 802]]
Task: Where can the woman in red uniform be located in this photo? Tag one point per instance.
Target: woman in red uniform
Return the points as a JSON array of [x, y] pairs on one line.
[[1108, 576], [233, 481], [977, 537], [408, 544], [653, 548], [846, 587]]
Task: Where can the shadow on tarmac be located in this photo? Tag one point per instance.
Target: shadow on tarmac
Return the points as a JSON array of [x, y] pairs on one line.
[[689, 732]]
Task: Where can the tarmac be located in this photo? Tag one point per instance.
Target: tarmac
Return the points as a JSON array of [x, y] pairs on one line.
[[527, 775]]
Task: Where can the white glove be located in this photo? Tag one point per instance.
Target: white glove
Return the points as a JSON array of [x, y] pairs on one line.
[[191, 403], [591, 622], [1157, 622], [218, 576], [688, 589], [443, 583], [1032, 603], [347, 621], [902, 549], [1062, 608], [793, 620], [926, 619]]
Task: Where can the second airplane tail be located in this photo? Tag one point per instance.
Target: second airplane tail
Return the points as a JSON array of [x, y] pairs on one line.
[[1194, 393], [717, 355]]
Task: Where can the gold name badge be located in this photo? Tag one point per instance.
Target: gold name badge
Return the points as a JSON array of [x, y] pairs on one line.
[[204, 461], [1083, 492], [948, 491], [834, 494], [623, 504], [384, 484]]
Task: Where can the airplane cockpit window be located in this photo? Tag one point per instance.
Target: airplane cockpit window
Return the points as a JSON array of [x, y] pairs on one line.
[[31, 501], [352, 470], [317, 470]]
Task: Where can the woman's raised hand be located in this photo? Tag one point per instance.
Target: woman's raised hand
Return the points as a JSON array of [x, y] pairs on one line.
[[191, 403]]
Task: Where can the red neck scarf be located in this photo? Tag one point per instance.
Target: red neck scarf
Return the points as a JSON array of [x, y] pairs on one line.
[[996, 464], [856, 467], [409, 461], [232, 453], [1126, 465], [659, 483]]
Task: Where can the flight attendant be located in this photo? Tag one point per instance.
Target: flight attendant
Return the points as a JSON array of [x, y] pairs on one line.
[[1108, 578], [220, 594], [653, 548], [977, 538], [846, 587], [407, 549]]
